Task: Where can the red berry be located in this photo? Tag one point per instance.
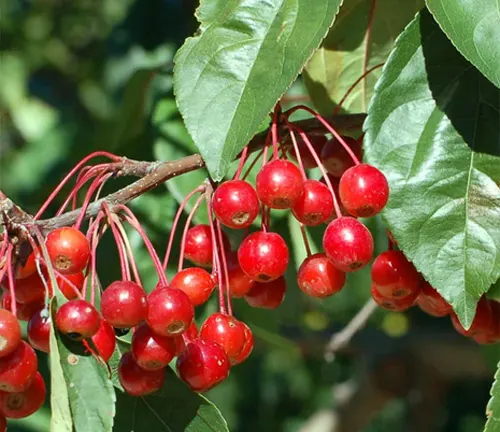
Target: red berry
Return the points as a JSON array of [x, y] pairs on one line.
[[196, 282], [431, 302], [105, 340], [24, 311], [348, 244], [203, 365], [279, 184], [26, 270], [124, 304], [317, 142], [170, 313], [263, 256], [69, 250], [235, 204], [315, 206], [199, 247], [10, 333], [24, 403], [247, 347], [239, 283], [137, 381], [363, 190], [191, 333], [18, 368], [150, 350], [267, 295], [335, 158], [227, 331], [485, 327], [29, 289], [77, 279], [318, 277], [39, 330], [393, 304], [78, 319]]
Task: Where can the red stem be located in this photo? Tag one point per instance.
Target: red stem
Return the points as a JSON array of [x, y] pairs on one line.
[[98, 181], [306, 240], [186, 228], [299, 158], [130, 253], [119, 244], [243, 159], [10, 276], [256, 159], [224, 268]]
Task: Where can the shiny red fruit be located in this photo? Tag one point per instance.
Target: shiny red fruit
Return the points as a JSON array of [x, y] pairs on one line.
[[105, 340], [30, 289], [267, 295], [124, 304], [23, 311], [10, 333], [235, 204], [317, 142], [225, 330], [69, 250], [68, 283], [180, 341], [150, 350], [26, 270], [247, 347], [23, 404], [393, 304], [318, 277], [39, 330], [199, 247], [239, 283], [196, 282], [485, 327], [335, 158], [315, 206], [78, 319], [431, 302], [18, 368], [137, 381]]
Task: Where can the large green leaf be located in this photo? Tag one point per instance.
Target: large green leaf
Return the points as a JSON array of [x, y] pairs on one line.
[[431, 114], [175, 408], [474, 28], [493, 408], [349, 51], [231, 74]]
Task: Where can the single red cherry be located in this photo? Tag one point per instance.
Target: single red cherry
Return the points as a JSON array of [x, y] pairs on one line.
[[137, 381], [279, 184], [431, 302], [105, 340], [124, 304], [39, 330], [150, 350], [68, 283], [363, 190], [484, 326], [170, 313], [78, 319], [239, 283], [10, 333], [227, 331], [393, 304], [29, 289], [24, 311], [199, 247], [395, 276], [267, 295], [315, 206], [263, 256], [26, 270], [203, 365], [317, 142], [235, 204], [348, 244], [69, 250], [196, 282], [318, 277], [24, 403], [247, 347], [335, 158], [18, 368], [180, 341]]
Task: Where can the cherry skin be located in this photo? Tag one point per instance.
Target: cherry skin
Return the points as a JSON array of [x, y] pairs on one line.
[[203, 365], [22, 404], [315, 206], [363, 190], [151, 351], [196, 282], [239, 283], [78, 319], [247, 347], [10, 333], [431, 302], [30, 289], [393, 304], [318, 277], [3, 423], [348, 244], [180, 341], [26, 270], [124, 304], [263, 256], [225, 330], [69, 250], [18, 368], [64, 284], [279, 184], [335, 158], [24, 310], [267, 295], [105, 340], [395, 276], [199, 247], [170, 313], [39, 330], [137, 381], [235, 204], [484, 328], [317, 142]]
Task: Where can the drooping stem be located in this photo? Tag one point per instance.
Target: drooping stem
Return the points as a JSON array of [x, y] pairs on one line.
[[186, 228], [298, 156], [10, 277], [97, 183], [225, 273], [124, 268], [306, 239], [130, 253], [243, 159]]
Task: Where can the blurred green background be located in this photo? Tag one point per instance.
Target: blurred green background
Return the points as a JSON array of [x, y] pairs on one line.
[[85, 75]]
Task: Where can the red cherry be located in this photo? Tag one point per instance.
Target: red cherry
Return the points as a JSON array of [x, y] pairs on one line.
[[137, 381], [267, 295], [263, 256], [170, 312], [335, 158], [247, 347], [239, 283], [105, 340], [69, 250], [485, 326], [395, 276], [196, 282], [10, 333], [235, 204], [318, 277], [431, 302], [203, 365], [348, 244], [30, 289], [124, 304], [227, 331], [77, 279], [393, 304], [24, 311], [24, 403], [26, 270], [279, 184], [317, 142], [18, 368], [315, 206], [39, 330], [151, 351], [363, 190], [78, 319], [199, 248], [191, 333]]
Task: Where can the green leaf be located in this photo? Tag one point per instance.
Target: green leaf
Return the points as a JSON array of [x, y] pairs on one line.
[[231, 74], [175, 408], [349, 51], [493, 408], [431, 114], [122, 346], [494, 291], [474, 28]]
